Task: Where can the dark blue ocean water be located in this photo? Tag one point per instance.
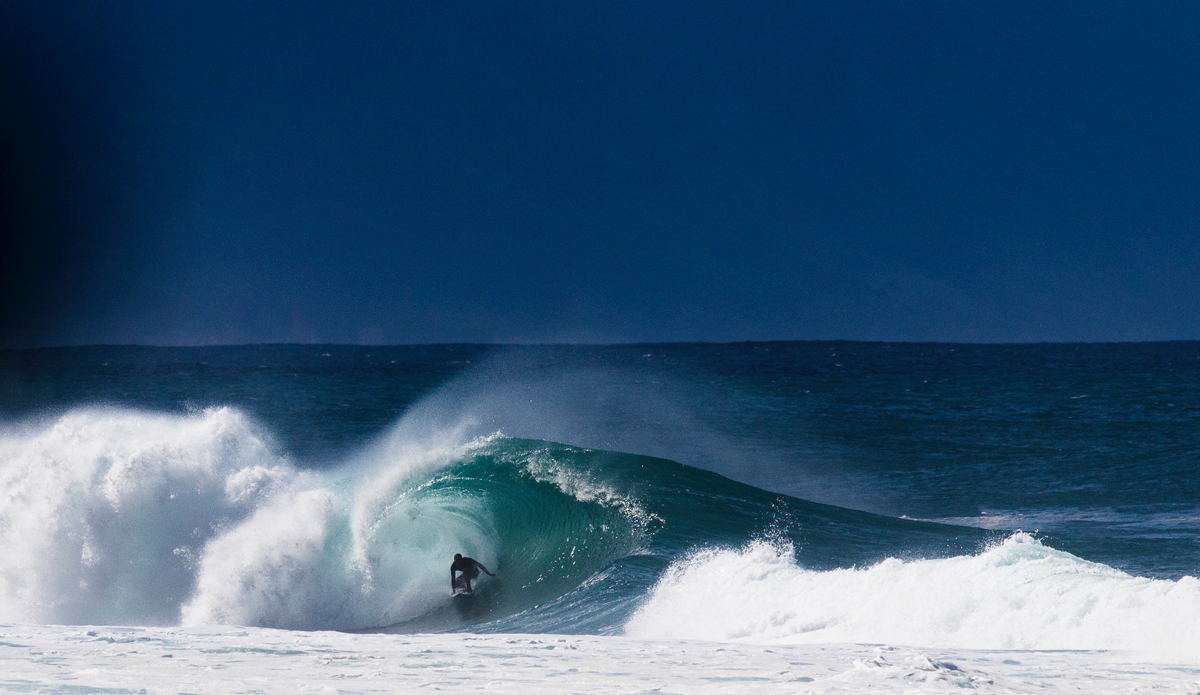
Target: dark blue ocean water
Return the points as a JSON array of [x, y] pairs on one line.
[[612, 463]]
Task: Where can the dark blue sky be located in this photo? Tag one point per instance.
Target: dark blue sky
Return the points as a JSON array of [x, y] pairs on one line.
[[386, 172]]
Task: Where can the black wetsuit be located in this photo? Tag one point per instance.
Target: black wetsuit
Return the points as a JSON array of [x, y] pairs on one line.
[[470, 570]]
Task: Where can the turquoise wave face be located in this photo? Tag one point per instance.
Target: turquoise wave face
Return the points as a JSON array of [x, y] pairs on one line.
[[580, 536], [545, 521]]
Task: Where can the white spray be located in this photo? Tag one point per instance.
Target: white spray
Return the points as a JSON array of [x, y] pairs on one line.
[[103, 512], [1018, 595]]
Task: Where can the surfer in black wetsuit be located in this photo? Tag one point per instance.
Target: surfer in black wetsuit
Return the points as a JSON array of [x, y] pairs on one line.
[[470, 570]]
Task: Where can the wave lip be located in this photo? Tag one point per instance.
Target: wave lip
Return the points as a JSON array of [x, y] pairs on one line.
[[1016, 595]]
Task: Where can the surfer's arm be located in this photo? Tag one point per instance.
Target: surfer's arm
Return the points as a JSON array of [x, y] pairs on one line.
[[480, 566]]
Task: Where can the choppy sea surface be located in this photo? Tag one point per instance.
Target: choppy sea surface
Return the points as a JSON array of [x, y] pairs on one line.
[[973, 499]]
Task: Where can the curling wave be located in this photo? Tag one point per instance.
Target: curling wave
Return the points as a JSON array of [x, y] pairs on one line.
[[375, 551], [122, 517]]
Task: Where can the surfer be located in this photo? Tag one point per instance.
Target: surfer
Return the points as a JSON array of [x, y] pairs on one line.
[[470, 570]]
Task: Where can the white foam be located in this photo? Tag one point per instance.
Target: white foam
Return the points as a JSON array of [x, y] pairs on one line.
[[1018, 595], [103, 510], [72, 660]]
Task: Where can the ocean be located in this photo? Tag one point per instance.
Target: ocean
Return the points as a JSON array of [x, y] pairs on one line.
[[750, 517]]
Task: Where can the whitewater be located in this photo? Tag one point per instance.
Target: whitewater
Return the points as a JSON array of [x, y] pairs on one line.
[[187, 539]]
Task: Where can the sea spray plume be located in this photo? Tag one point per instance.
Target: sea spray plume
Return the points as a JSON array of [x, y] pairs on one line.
[[670, 403], [103, 510], [1016, 595], [551, 395]]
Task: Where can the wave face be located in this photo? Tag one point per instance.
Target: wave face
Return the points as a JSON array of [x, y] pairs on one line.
[[112, 516]]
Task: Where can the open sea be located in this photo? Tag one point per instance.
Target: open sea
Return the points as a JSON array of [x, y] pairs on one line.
[[784, 517]]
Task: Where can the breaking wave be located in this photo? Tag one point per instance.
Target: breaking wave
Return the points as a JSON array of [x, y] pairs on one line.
[[111, 516], [1018, 594]]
